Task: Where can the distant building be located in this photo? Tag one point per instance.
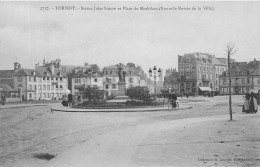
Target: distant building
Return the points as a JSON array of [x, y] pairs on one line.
[[81, 78], [171, 80], [244, 77], [220, 65], [134, 76], [6, 77], [198, 70], [7, 84], [42, 83], [8, 92]]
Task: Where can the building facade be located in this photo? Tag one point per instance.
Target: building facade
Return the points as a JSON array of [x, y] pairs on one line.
[[45, 82], [199, 70], [134, 76], [171, 80], [82, 79], [244, 77]]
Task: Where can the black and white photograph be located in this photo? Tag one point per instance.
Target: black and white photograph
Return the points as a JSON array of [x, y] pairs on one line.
[[129, 83]]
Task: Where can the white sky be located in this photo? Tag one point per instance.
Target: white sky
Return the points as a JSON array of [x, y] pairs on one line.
[[146, 38]]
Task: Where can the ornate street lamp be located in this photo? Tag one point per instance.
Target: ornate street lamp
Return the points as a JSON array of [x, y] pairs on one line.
[[154, 74]]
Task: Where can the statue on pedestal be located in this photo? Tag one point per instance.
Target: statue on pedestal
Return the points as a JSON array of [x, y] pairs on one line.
[[121, 78]]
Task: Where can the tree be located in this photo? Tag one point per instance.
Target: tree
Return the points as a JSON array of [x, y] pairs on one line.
[[230, 51], [92, 93], [138, 93]]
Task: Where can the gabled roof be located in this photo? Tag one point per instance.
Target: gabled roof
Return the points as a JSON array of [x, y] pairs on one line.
[[6, 73], [8, 81], [219, 61], [41, 72], [257, 71], [243, 68], [6, 88]]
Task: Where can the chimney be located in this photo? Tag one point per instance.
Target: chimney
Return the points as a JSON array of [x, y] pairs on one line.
[[19, 67], [36, 65], [52, 68], [16, 67]]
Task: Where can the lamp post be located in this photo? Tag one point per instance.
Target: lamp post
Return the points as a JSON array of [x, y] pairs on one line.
[[154, 74]]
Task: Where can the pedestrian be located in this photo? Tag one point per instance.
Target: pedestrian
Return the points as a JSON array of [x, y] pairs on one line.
[[173, 99], [253, 107], [246, 103], [70, 100], [3, 99]]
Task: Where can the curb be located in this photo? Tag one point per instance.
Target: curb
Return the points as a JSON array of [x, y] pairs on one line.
[[7, 107], [118, 110]]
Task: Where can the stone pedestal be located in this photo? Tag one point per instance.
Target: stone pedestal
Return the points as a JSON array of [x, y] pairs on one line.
[[121, 89]]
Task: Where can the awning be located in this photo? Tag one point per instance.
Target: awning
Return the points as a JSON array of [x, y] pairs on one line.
[[205, 89]]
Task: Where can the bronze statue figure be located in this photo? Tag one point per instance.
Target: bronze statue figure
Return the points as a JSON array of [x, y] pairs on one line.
[[124, 75]]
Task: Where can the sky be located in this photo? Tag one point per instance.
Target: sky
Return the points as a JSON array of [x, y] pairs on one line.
[[147, 38]]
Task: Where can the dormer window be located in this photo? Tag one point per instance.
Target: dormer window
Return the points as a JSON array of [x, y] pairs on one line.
[[60, 74], [46, 73]]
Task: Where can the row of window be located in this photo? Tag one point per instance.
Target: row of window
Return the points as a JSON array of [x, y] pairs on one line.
[[221, 69], [107, 86], [113, 80], [114, 72], [237, 90], [238, 81], [44, 87], [83, 80], [208, 69], [34, 79], [45, 95], [187, 68]]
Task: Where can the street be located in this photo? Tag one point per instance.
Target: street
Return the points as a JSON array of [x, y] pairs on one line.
[[199, 135]]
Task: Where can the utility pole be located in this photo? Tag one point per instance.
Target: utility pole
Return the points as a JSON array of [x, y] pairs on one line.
[[230, 51]]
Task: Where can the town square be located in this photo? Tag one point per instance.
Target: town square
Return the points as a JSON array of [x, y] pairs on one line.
[[136, 84]]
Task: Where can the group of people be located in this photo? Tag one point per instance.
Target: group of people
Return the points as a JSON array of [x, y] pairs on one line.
[[67, 100], [250, 103]]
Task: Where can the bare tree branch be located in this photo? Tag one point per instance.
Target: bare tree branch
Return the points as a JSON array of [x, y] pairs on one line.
[[230, 49]]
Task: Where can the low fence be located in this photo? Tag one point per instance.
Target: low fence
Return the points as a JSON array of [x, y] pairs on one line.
[[13, 99]]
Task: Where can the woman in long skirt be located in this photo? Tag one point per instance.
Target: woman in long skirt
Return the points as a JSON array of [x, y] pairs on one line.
[[246, 103], [253, 107]]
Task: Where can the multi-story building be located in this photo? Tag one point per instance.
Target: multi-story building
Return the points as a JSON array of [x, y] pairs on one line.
[[244, 77], [220, 65], [197, 72], [134, 76], [171, 80], [81, 78], [42, 83]]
